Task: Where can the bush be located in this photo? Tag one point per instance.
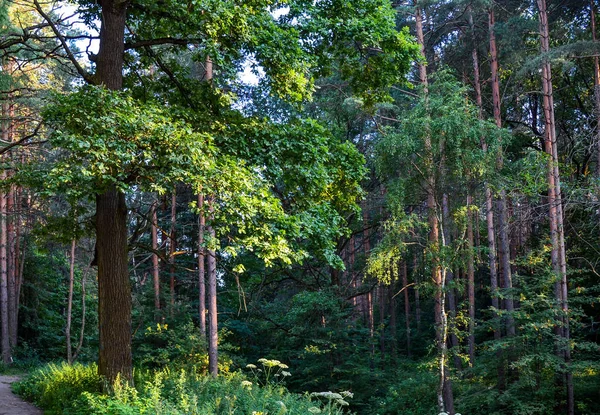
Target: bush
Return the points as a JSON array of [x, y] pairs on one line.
[[74, 390]]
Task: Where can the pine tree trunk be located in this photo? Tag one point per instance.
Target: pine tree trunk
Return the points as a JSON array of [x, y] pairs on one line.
[[155, 267], [503, 228], [471, 280], [82, 329], [70, 302], [213, 334], [4, 323], [596, 94], [444, 393], [558, 255]]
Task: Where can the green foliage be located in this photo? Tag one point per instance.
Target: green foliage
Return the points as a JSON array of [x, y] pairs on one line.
[[74, 390]]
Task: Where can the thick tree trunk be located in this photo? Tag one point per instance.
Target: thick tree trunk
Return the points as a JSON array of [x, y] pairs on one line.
[[155, 268], [558, 255], [70, 302], [114, 290]]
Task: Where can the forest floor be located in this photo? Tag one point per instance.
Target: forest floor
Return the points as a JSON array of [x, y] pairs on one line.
[[11, 404]]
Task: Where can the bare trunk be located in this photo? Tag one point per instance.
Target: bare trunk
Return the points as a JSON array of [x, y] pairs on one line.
[[155, 268], [471, 280], [70, 302], [404, 273], [201, 269], [4, 323], [417, 296], [555, 202], [82, 329], [172, 248], [503, 229], [213, 334]]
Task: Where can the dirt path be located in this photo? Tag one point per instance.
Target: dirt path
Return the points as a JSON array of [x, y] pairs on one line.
[[11, 404]]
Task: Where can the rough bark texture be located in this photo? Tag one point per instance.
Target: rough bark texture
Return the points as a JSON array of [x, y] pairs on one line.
[[114, 290], [471, 280], [558, 255]]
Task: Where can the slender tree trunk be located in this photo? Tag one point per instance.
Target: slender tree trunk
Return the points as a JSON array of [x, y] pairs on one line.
[[213, 334], [70, 302], [445, 396], [489, 204], [393, 318], [172, 248], [404, 273], [471, 280], [201, 269], [503, 228], [596, 93], [155, 268], [454, 343], [416, 279], [82, 329], [555, 202], [4, 323], [114, 290]]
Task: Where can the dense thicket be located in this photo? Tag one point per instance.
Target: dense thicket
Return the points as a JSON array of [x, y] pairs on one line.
[[397, 199]]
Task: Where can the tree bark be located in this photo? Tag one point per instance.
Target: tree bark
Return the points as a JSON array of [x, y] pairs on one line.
[[172, 249], [70, 302], [4, 323], [201, 269], [558, 255], [503, 228], [114, 290], [213, 333], [471, 280], [596, 95], [155, 268]]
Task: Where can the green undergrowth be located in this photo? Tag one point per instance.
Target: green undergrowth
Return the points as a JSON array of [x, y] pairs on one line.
[[76, 390]]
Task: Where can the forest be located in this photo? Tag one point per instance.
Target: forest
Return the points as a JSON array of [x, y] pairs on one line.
[[271, 207]]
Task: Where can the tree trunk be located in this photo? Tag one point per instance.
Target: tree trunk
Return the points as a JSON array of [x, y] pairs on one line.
[[213, 334], [444, 393], [404, 273], [503, 229], [4, 323], [556, 214], [172, 249], [596, 94], [70, 302], [201, 269], [82, 329], [114, 290], [155, 268], [471, 280]]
